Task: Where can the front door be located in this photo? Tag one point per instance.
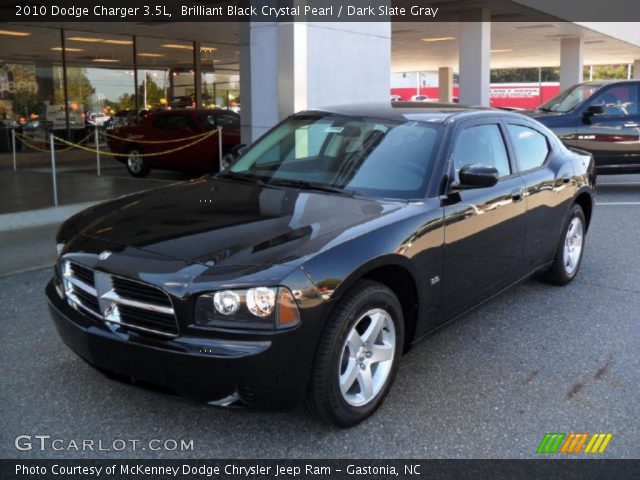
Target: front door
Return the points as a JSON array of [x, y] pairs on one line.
[[613, 136], [484, 227]]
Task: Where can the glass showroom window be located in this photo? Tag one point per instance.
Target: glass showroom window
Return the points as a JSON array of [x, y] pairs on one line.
[[156, 60], [30, 80], [220, 72], [165, 71], [99, 78]]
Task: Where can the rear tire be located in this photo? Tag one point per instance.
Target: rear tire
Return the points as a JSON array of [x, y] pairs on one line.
[[358, 355], [137, 165], [570, 250]]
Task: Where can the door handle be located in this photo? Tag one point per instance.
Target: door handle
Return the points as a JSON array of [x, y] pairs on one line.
[[517, 194]]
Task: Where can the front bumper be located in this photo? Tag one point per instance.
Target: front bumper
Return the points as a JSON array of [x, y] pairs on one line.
[[268, 372]]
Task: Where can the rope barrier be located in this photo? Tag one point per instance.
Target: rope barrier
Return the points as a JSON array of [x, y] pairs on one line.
[[27, 141], [155, 154], [157, 141]]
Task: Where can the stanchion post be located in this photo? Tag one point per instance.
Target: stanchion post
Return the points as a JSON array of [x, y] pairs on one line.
[[53, 169], [96, 137], [13, 146], [220, 164]]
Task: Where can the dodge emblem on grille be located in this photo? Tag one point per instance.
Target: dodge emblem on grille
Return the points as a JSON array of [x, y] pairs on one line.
[[104, 255]]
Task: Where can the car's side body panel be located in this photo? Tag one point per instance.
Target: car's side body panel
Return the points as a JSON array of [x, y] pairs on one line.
[[187, 148]]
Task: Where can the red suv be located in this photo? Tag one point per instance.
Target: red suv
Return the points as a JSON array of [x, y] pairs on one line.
[[176, 140]]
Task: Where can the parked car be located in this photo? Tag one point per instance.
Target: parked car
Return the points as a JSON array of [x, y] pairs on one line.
[[329, 247], [419, 98], [395, 98], [162, 132], [600, 117], [97, 118]]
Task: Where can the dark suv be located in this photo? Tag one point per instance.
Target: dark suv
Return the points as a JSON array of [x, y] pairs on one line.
[[600, 117]]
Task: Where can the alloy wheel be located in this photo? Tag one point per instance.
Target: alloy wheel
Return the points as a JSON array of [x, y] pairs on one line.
[[367, 357], [134, 161], [573, 245]]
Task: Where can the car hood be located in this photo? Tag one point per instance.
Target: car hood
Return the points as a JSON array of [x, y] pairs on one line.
[[215, 221]]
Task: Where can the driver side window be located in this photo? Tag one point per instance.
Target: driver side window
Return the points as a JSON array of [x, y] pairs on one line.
[[481, 144], [621, 100]]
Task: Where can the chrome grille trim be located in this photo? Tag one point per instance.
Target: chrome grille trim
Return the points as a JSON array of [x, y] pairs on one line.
[[111, 295], [108, 300]]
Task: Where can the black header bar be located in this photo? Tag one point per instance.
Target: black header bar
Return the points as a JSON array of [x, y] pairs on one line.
[[319, 469], [315, 10]]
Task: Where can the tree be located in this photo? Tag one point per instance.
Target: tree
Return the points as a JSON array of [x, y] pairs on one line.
[[525, 75], [78, 85], [607, 72], [154, 92]]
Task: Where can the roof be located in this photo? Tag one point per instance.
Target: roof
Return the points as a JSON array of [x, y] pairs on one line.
[[401, 111], [609, 82]]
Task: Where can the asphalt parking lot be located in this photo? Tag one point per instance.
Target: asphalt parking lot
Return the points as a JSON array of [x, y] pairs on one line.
[[536, 359]]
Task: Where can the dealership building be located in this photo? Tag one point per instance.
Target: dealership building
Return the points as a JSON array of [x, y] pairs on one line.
[[274, 69], [58, 76]]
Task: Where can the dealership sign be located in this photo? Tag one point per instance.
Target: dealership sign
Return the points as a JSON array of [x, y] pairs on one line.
[[515, 92]]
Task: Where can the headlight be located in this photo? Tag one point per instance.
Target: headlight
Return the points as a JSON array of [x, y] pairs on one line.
[[226, 302], [262, 308], [261, 300], [59, 248]]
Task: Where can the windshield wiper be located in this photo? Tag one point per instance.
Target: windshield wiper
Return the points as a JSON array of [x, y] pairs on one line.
[[310, 186], [240, 176]]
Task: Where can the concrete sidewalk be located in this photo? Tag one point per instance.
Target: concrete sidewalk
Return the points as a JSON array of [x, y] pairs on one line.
[[25, 190], [27, 249]]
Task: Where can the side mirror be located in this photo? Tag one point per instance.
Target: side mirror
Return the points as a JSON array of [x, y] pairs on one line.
[[594, 110], [238, 150], [477, 176]]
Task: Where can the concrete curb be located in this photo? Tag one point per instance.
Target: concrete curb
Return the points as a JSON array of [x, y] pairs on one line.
[[43, 216]]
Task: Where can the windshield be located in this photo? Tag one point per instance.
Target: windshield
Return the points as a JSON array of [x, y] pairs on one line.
[[378, 158], [569, 98]]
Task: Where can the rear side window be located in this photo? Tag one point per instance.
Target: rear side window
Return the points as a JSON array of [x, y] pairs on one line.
[[531, 146], [174, 122], [482, 144], [224, 120]]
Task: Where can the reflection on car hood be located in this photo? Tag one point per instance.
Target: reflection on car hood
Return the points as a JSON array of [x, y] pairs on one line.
[[222, 222]]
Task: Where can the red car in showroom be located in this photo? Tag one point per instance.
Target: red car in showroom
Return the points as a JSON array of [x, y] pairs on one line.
[[182, 134]]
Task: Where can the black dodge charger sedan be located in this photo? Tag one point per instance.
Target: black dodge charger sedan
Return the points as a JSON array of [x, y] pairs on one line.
[[329, 247], [602, 118]]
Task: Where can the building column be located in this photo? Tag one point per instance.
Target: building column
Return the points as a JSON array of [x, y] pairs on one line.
[[475, 57], [445, 84], [197, 74], [636, 69], [571, 58], [286, 67]]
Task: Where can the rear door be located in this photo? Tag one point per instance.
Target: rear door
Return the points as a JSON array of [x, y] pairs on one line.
[[614, 136], [484, 227], [549, 187], [175, 131]]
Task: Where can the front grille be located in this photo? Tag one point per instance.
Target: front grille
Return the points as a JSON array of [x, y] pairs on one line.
[[83, 273], [139, 291], [119, 300]]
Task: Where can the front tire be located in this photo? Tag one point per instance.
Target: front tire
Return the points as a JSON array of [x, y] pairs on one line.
[[570, 250], [357, 356], [137, 165]]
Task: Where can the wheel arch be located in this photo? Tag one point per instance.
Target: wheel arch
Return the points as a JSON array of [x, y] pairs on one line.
[[396, 273], [586, 203]]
